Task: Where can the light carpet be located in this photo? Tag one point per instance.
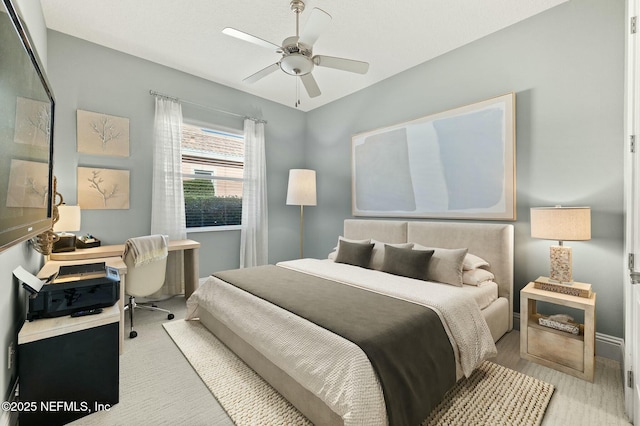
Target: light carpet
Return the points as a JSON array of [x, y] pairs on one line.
[[493, 395]]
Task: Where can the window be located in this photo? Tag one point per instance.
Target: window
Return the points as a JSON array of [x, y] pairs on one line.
[[212, 170]]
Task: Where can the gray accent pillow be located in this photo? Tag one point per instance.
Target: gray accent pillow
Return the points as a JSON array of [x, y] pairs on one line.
[[445, 265], [406, 262], [377, 255], [334, 253], [356, 254]]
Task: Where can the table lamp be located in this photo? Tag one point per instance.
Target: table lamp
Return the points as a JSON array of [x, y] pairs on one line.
[[561, 224], [301, 192], [69, 221]]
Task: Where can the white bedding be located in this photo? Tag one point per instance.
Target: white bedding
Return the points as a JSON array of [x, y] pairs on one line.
[[334, 369], [484, 294]]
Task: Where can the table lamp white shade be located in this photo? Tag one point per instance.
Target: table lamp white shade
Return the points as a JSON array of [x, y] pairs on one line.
[[561, 224], [69, 219], [302, 187]]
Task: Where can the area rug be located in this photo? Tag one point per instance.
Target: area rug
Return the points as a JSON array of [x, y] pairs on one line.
[[493, 395]]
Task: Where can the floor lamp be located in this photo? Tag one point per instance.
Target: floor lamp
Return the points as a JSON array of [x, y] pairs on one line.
[[301, 192]]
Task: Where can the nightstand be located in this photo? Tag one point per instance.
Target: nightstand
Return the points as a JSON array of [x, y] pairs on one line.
[[560, 350]]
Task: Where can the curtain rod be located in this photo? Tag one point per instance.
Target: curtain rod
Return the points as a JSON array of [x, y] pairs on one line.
[[173, 98]]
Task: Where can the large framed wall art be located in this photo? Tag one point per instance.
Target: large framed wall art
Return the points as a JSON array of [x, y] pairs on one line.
[[457, 164]]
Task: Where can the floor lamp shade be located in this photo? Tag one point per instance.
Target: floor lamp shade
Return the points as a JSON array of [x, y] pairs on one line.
[[301, 192], [302, 187], [561, 224]]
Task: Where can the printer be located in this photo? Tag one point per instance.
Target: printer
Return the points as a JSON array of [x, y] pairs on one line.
[[74, 288]]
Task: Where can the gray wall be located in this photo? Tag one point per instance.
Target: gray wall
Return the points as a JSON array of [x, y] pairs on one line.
[[566, 67], [90, 77]]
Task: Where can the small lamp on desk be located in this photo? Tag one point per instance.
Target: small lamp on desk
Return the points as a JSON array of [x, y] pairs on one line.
[[69, 221], [561, 224]]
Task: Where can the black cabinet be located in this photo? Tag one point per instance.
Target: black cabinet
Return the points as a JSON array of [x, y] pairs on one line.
[[70, 372]]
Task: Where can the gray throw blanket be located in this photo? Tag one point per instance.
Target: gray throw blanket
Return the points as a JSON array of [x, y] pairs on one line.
[[406, 343]]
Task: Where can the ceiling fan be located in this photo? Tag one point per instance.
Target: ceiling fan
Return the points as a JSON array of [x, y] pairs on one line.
[[297, 51]]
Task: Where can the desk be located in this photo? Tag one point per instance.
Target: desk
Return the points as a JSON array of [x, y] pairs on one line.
[[71, 360], [52, 266], [189, 247]]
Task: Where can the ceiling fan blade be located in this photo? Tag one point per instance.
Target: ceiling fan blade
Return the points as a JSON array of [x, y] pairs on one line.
[[310, 85], [341, 64], [250, 38], [262, 73], [317, 22]]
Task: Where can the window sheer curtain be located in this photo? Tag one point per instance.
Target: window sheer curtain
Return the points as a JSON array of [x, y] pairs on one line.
[[167, 203], [254, 234]]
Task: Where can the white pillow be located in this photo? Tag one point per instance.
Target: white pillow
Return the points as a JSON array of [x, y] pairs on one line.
[[334, 253], [377, 256], [471, 261], [476, 276]]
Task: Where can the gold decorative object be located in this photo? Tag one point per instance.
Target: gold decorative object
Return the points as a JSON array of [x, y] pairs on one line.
[[43, 242]]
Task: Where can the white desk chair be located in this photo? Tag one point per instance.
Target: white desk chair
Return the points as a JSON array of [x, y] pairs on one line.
[[147, 278]]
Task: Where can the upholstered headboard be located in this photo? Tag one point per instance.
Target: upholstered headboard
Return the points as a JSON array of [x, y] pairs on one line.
[[491, 241]]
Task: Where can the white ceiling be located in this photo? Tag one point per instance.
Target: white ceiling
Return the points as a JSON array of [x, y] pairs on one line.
[[187, 35]]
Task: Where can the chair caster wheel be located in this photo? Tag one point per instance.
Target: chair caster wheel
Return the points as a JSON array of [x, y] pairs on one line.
[[171, 316], [133, 334]]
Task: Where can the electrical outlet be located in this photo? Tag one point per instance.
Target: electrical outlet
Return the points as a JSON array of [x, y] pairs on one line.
[[11, 353]]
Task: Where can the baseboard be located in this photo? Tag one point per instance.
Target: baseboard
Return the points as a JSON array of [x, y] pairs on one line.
[[609, 347], [10, 418]]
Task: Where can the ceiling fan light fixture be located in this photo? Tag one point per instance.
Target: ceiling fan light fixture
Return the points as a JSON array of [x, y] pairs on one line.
[[296, 64]]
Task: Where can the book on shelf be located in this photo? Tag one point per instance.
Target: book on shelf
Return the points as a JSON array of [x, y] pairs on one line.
[[573, 289]]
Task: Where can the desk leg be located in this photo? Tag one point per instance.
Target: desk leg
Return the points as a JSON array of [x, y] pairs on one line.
[[191, 271], [121, 305]]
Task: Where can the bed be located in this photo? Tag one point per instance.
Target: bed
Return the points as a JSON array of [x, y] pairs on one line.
[[329, 378]]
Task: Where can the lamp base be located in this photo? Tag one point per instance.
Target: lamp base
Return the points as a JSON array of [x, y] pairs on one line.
[[572, 289], [561, 269], [67, 242]]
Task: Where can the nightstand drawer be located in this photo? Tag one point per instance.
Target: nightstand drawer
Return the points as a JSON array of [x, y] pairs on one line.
[[565, 350]]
